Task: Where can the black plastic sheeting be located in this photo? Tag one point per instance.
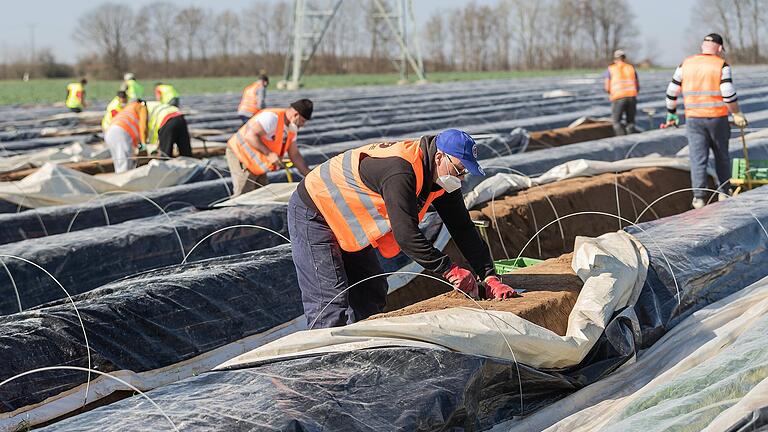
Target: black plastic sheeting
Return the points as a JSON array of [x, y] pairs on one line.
[[83, 260], [119, 208], [147, 322], [714, 252], [757, 421]]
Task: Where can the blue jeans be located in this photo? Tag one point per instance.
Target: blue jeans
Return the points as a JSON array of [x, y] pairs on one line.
[[324, 272], [705, 134]]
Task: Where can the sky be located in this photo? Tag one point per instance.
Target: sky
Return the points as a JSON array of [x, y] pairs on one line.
[[662, 24]]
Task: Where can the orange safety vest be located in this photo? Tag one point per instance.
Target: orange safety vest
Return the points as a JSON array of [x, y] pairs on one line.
[[128, 120], [250, 100], [701, 86], [249, 156], [356, 214], [623, 81]]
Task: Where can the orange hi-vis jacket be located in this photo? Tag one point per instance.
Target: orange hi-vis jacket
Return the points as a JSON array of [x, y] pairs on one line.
[[701, 86], [247, 153], [356, 214], [622, 81], [250, 100], [132, 119]]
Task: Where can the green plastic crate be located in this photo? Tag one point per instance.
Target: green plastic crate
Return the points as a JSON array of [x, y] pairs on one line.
[[510, 265], [758, 169]]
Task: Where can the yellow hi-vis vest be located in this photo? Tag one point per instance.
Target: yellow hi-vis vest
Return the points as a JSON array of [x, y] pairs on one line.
[[74, 95], [157, 114], [134, 90], [113, 108], [165, 93]]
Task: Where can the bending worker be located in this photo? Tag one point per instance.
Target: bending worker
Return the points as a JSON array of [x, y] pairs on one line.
[[374, 197], [76, 96], [167, 94], [622, 86], [260, 144], [127, 130], [113, 107], [254, 98], [167, 126], [708, 95]]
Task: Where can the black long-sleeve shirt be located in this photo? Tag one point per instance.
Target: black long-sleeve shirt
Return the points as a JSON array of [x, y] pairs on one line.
[[394, 179]]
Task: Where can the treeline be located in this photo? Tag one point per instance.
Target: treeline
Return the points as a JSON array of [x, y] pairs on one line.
[[164, 39]]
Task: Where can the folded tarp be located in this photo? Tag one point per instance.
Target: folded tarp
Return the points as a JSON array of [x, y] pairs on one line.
[[150, 329], [709, 373], [612, 267], [109, 209], [55, 185], [83, 260], [75, 152]]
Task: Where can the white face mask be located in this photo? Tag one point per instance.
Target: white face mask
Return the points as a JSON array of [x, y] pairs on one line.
[[449, 183], [293, 128]]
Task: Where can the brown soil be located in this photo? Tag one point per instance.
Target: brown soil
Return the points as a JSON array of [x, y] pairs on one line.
[[551, 289], [516, 213], [566, 135]]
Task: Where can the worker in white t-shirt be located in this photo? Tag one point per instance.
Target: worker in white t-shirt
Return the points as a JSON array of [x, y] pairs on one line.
[[260, 144]]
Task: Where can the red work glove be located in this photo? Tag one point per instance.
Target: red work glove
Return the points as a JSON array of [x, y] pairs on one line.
[[462, 280], [496, 289]]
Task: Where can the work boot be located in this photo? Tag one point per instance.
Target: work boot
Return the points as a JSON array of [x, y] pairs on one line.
[[698, 203]]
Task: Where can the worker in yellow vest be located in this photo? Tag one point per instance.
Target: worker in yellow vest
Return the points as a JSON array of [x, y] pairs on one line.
[[254, 99], [259, 145], [708, 95], [167, 94], [373, 197], [132, 88], [75, 100], [127, 130], [113, 107], [622, 86], [167, 126]]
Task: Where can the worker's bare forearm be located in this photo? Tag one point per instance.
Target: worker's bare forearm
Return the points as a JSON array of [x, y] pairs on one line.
[[733, 107], [298, 160]]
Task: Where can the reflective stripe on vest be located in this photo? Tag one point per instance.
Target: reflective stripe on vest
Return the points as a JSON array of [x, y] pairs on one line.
[[701, 86], [74, 95], [114, 105], [356, 214], [623, 81], [255, 161], [156, 116], [250, 100], [128, 120], [164, 93]]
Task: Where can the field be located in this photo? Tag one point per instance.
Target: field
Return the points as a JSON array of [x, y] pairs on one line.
[[53, 90]]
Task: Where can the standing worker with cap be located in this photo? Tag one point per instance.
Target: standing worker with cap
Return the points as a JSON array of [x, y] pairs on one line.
[[622, 86], [374, 197], [132, 88], [167, 94], [260, 144], [113, 107], [708, 95], [254, 98], [75, 100]]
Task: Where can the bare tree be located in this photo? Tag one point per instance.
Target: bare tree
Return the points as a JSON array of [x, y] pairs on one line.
[[190, 20], [434, 37], [107, 28], [227, 30], [161, 19]]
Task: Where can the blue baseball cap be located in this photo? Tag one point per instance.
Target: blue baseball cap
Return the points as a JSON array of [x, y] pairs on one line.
[[461, 146]]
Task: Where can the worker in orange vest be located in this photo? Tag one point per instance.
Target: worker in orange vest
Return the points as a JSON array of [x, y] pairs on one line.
[[374, 197], [259, 145], [708, 95], [254, 99], [127, 130], [622, 86]]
